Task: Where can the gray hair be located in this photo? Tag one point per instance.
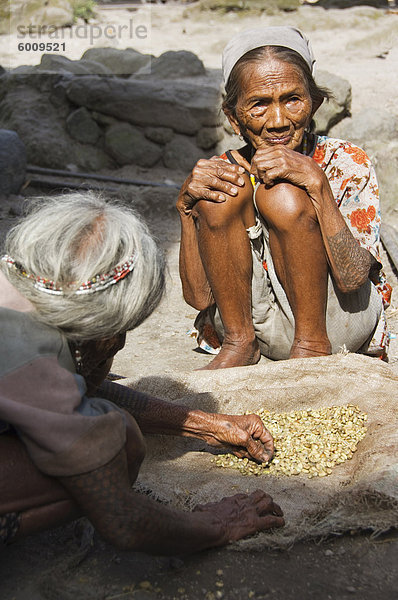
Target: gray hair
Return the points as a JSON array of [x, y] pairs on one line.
[[73, 238]]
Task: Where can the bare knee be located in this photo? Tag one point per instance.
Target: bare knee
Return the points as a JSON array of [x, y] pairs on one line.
[[286, 206], [219, 215]]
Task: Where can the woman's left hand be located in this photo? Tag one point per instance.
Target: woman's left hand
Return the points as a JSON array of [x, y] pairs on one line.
[[243, 435], [272, 164]]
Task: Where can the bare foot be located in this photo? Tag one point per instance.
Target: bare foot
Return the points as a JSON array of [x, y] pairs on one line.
[[307, 348], [234, 355]]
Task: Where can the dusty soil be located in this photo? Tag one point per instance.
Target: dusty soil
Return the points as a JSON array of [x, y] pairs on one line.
[[68, 563], [52, 566]]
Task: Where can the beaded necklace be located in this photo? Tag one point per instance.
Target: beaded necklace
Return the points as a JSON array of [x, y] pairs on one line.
[[97, 284], [305, 144]]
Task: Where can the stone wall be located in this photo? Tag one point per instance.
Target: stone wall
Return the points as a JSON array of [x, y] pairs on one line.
[[118, 107]]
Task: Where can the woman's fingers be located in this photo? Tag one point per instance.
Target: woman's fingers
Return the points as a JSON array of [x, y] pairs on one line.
[[204, 193], [276, 509], [270, 522], [260, 431], [198, 187], [245, 514], [225, 168], [261, 496], [213, 180], [265, 504], [258, 451], [269, 170], [216, 174]]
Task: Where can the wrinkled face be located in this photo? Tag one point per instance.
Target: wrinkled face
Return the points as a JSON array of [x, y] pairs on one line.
[[274, 106]]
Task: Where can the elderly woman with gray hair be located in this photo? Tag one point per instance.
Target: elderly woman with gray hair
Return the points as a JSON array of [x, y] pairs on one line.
[[280, 239], [77, 274]]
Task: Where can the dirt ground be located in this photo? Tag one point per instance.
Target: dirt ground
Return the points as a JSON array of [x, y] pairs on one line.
[[70, 563]]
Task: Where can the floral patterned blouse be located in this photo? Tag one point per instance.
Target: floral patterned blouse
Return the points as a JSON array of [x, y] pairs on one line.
[[354, 185]]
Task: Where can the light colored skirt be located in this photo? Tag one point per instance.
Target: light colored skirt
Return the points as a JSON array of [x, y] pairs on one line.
[[351, 319]]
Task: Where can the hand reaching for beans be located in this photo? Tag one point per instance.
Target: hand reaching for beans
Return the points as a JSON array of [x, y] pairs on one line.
[[243, 435]]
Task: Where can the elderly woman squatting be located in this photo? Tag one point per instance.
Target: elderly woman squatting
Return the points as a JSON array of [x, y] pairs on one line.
[[279, 271], [72, 443]]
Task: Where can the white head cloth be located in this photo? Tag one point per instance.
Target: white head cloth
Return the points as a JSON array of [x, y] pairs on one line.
[[249, 39]]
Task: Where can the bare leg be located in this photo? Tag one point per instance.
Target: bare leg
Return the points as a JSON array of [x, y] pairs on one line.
[[42, 518], [224, 248], [41, 501], [300, 262]]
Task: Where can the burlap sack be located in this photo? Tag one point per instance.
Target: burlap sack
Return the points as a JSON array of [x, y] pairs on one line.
[[361, 494]]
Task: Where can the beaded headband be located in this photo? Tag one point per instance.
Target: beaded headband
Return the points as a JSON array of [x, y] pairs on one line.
[[97, 284]]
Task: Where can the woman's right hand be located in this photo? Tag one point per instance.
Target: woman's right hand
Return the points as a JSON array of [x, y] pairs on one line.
[[214, 180], [242, 515]]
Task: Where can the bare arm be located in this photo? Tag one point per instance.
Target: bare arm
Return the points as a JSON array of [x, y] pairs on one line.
[[245, 435], [350, 264], [195, 286], [131, 521], [213, 180]]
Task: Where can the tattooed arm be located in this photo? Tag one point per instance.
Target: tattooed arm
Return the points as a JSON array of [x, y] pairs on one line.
[[244, 435], [131, 521], [351, 265]]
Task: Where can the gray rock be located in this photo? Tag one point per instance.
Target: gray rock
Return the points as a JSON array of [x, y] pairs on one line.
[[82, 127], [94, 67], [89, 158], [58, 97], [181, 105], [208, 137], [174, 65], [181, 153], [128, 145], [337, 108], [12, 162], [3, 86], [42, 81], [41, 128], [59, 63], [23, 69], [370, 124], [103, 119], [159, 135], [119, 62], [50, 84]]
